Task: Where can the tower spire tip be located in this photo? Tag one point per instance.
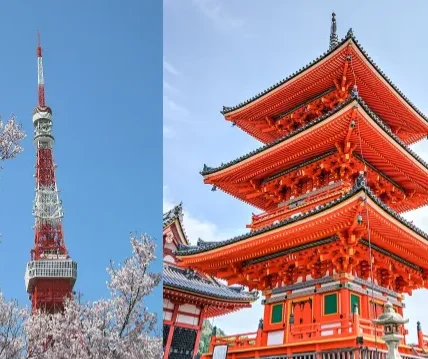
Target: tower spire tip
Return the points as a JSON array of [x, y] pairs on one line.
[[40, 80], [39, 46]]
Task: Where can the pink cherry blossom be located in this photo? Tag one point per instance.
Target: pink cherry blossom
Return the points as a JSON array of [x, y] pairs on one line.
[[11, 134], [113, 328]]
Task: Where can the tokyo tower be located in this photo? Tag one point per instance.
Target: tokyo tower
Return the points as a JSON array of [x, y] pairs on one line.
[[51, 273]]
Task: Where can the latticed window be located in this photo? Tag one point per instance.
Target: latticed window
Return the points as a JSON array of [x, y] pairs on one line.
[[276, 314], [330, 304]]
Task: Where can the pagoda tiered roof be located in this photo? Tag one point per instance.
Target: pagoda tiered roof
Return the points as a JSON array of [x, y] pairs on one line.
[[352, 123], [340, 68], [396, 238]]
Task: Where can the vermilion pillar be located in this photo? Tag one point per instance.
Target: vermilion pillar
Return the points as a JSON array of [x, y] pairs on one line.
[[202, 315], [171, 331]]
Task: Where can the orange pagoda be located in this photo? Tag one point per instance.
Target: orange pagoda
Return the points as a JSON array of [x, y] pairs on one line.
[[330, 247], [190, 296]]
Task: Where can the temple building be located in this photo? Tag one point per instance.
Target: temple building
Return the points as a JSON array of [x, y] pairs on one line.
[[190, 297], [329, 247]]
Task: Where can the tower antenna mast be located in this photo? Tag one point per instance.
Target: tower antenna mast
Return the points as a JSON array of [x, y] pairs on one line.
[[40, 78]]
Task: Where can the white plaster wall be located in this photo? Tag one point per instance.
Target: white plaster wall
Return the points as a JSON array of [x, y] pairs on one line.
[[187, 319], [275, 338]]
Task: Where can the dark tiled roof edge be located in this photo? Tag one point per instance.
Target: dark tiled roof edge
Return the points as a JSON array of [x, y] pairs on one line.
[[173, 214], [215, 289], [227, 109], [244, 298], [388, 80]]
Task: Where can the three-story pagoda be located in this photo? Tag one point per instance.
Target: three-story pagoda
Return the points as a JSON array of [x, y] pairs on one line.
[[330, 246]]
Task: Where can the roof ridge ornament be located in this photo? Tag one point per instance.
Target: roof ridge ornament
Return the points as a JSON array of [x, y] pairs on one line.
[[350, 33], [225, 109], [361, 180], [178, 208], [334, 39], [206, 168]]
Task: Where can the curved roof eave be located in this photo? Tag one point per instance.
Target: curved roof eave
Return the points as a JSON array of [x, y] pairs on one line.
[[175, 278], [210, 170], [173, 215], [350, 36]]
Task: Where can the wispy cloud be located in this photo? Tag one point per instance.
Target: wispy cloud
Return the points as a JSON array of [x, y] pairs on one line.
[[196, 227], [242, 321], [221, 18], [172, 109], [168, 67], [167, 87], [218, 14], [177, 108], [168, 132]]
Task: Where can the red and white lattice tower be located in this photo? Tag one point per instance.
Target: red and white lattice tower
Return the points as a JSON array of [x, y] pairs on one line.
[[51, 273]]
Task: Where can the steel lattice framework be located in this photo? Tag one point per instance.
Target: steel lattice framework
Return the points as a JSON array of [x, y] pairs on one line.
[[51, 274]]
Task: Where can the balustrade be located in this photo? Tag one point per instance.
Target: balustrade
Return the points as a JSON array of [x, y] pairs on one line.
[[295, 334]]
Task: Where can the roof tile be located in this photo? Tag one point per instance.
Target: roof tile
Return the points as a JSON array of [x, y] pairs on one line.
[[185, 279]]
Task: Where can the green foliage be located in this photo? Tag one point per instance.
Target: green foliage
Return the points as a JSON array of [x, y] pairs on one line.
[[207, 330]]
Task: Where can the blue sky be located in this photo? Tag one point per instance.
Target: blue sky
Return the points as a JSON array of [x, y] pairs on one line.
[[103, 70], [219, 52]]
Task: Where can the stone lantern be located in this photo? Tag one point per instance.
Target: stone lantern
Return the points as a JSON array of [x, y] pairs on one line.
[[391, 322]]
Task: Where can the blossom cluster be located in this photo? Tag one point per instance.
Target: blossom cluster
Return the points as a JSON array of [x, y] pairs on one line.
[[120, 327], [11, 134]]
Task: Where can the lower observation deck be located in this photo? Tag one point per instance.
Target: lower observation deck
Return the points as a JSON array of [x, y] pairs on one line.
[[64, 269]]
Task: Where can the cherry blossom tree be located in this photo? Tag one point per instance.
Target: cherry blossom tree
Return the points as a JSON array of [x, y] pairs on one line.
[[120, 327], [11, 315], [11, 134], [12, 340]]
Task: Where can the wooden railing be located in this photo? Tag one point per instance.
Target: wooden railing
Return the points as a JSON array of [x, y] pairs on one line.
[[367, 328], [295, 334], [244, 340], [297, 203], [319, 330]]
